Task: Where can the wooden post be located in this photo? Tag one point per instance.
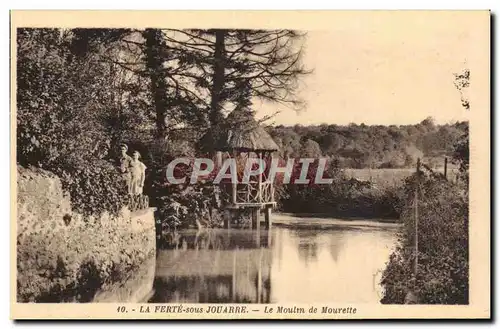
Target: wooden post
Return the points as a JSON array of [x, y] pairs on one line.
[[227, 219], [235, 184], [259, 277], [255, 219], [218, 157], [260, 179], [270, 156], [233, 292], [445, 167], [267, 216]]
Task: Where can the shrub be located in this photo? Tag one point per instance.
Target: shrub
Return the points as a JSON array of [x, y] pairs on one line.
[[61, 101], [95, 188], [442, 273], [345, 197]]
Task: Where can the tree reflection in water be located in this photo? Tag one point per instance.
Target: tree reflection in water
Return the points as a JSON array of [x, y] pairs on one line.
[[310, 241], [214, 266]]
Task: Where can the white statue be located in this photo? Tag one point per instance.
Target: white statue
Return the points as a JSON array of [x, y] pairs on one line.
[[138, 174]]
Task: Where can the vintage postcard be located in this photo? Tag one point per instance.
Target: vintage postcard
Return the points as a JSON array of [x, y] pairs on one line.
[[250, 164]]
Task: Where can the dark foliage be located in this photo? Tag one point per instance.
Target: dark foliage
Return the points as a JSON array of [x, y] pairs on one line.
[[344, 198], [60, 126]]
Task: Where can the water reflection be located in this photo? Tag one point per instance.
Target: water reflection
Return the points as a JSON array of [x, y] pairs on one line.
[[136, 287], [283, 265]]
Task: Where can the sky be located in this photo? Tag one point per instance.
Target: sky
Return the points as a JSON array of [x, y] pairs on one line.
[[386, 69]]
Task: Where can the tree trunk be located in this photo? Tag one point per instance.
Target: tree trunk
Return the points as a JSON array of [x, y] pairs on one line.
[[218, 78], [155, 71]]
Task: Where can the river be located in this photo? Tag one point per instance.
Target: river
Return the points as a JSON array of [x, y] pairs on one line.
[[303, 260]]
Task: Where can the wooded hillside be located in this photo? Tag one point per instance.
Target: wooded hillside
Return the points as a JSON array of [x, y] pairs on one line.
[[376, 146]]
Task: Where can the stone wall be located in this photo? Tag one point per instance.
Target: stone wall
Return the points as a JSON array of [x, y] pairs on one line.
[[63, 257]]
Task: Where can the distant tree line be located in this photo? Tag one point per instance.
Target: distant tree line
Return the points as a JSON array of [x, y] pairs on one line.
[[372, 146]]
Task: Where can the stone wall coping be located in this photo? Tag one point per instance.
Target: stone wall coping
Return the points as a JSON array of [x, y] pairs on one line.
[[142, 212]]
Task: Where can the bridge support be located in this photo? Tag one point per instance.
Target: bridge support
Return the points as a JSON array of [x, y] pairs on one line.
[[267, 217], [227, 218], [255, 219]]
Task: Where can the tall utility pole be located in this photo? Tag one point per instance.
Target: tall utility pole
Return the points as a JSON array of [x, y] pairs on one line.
[[416, 215]]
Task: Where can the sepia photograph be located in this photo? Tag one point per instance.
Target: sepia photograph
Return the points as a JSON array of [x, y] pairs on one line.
[[246, 168]]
